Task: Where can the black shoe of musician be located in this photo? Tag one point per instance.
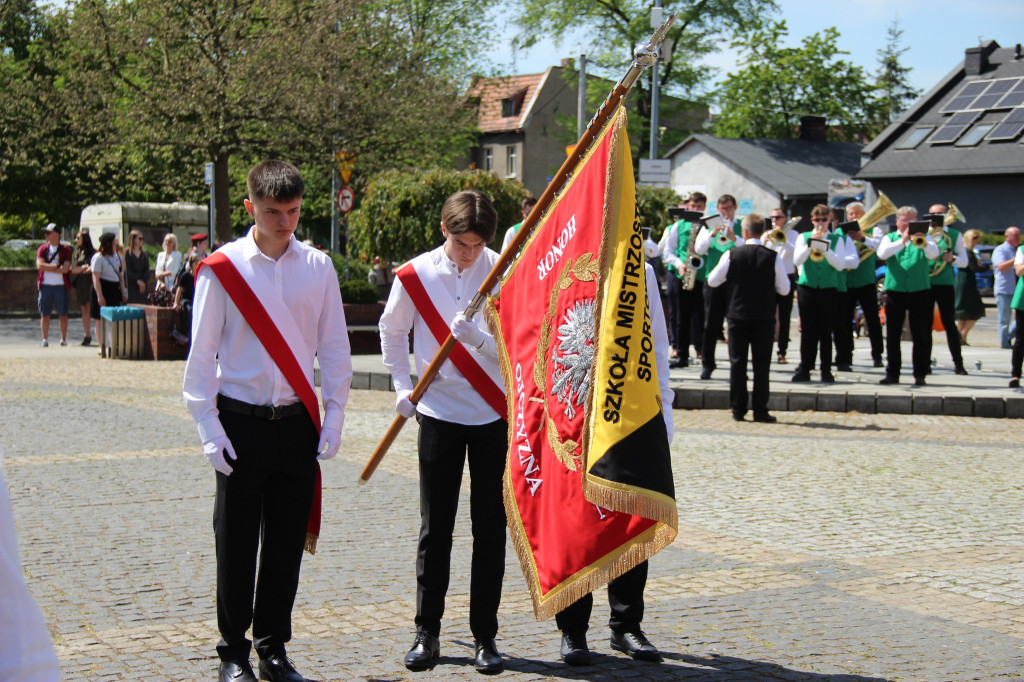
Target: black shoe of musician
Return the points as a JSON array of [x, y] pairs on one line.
[[679, 362], [845, 367], [705, 373], [235, 671], [801, 375], [277, 668], [424, 652], [919, 381], [889, 380], [738, 416], [960, 370], [488, 660], [574, 649], [765, 418], [1015, 382], [636, 645], [878, 363], [827, 378]]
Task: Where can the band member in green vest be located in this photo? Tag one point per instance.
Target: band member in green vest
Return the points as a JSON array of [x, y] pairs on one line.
[[820, 257], [951, 253], [860, 282], [842, 323], [1017, 304], [908, 292], [525, 207], [681, 301], [712, 246]]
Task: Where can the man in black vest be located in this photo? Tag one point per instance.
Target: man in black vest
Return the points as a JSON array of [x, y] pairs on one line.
[[754, 274]]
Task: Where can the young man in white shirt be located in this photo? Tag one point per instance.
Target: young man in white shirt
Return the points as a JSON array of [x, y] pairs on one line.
[[256, 430], [457, 418]]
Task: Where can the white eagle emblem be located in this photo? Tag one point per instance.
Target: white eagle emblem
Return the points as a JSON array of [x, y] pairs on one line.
[[573, 357]]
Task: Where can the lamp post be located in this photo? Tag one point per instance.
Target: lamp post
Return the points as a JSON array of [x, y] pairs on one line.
[[655, 23]]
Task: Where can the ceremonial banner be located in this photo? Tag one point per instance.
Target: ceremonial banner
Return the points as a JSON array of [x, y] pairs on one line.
[[588, 486]]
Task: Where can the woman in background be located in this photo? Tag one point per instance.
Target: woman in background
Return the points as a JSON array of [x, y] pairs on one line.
[[168, 262], [968, 307], [137, 263], [81, 273]]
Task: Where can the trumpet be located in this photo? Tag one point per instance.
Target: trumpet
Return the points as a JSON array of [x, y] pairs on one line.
[[818, 247], [919, 240], [722, 239]]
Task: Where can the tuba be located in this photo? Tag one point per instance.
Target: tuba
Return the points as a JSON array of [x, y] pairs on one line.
[[953, 215], [883, 208]]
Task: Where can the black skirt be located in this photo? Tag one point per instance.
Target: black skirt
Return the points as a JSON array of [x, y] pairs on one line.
[[111, 293]]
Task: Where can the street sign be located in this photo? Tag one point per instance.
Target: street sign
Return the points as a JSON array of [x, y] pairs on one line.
[[655, 171], [346, 197], [208, 176], [346, 164]]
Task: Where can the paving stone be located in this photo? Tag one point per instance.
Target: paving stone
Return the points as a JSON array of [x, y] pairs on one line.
[[802, 401], [958, 406], [927, 404]]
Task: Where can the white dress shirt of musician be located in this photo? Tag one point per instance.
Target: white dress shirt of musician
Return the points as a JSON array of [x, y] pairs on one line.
[[785, 251], [461, 264], [226, 355], [705, 237], [890, 247], [836, 256], [957, 256]]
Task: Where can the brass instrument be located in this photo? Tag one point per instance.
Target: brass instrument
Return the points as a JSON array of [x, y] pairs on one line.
[[883, 208], [945, 244], [723, 238], [693, 261], [792, 223], [777, 237], [953, 215], [863, 250], [817, 250], [919, 240]]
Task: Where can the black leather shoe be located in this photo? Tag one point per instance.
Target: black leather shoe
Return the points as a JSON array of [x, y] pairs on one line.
[[488, 660], [424, 652], [765, 418], [827, 378], [878, 363], [919, 381], [801, 376], [278, 668], [1015, 383], [235, 671], [889, 380], [574, 648], [738, 416], [636, 645], [845, 367], [960, 370], [679, 362], [705, 373]]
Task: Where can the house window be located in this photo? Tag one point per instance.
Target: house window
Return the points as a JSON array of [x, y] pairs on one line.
[[510, 161], [488, 158], [508, 107], [973, 136], [915, 137]]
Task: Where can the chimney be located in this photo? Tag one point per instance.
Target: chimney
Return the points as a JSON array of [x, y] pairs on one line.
[[813, 128], [569, 64], [976, 58]]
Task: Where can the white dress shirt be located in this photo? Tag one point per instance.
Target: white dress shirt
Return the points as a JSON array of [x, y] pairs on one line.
[[450, 396], [671, 243], [703, 244], [785, 251], [717, 276], [850, 255], [836, 256], [890, 247], [228, 358], [170, 264]]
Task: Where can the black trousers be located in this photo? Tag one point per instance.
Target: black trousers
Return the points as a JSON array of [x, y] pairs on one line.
[[1017, 354], [697, 318], [944, 296], [842, 330], [754, 336], [625, 597], [918, 306], [716, 302], [262, 509], [816, 314], [443, 448], [672, 288], [785, 314], [684, 305], [867, 296]]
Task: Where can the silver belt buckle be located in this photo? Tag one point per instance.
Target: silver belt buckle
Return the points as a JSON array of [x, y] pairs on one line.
[[275, 411]]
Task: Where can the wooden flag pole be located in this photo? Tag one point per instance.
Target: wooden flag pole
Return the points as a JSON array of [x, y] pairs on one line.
[[643, 58]]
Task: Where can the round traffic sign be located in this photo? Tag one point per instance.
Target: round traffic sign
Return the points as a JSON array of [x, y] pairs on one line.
[[346, 197]]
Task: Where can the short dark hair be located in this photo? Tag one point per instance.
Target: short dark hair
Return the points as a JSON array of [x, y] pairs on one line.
[[470, 211], [754, 225], [726, 199], [699, 197], [527, 202], [821, 211], [274, 179]]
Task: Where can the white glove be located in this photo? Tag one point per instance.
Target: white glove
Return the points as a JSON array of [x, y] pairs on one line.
[[330, 440], [215, 449], [404, 406], [466, 332]]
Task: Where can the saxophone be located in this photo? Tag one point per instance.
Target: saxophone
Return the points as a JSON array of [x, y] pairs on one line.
[[693, 261]]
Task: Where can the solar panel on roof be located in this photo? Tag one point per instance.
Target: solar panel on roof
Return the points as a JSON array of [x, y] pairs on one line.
[[954, 127], [1010, 127], [1014, 98], [965, 96], [993, 94]]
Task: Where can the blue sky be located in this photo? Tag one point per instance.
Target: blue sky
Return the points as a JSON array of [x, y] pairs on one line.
[[935, 31]]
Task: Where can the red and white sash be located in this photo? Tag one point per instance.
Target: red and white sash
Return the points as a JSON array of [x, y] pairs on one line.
[[267, 315], [435, 306]]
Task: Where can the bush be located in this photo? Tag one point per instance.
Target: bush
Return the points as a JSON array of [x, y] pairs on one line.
[[356, 268], [358, 291], [17, 258], [652, 204], [400, 213]]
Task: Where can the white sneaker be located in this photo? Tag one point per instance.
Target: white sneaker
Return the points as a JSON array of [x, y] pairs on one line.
[[45, 343], [63, 342]]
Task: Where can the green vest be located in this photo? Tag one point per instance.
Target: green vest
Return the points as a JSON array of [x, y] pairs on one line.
[[715, 252], [1018, 294], [684, 233], [864, 274], [819, 275], [945, 276], [907, 270]]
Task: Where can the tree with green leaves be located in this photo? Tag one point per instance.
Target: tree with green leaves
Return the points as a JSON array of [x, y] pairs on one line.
[[892, 79], [616, 27], [776, 85]]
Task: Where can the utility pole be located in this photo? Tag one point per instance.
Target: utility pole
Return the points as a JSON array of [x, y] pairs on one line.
[[213, 210], [581, 100], [655, 23]]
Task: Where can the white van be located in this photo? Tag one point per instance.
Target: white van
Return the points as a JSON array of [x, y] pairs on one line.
[[151, 219]]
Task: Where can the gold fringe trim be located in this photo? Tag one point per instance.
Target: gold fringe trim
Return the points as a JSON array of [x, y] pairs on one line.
[[311, 543], [631, 500]]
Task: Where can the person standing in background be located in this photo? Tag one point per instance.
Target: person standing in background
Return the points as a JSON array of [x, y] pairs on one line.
[[53, 261], [1005, 283]]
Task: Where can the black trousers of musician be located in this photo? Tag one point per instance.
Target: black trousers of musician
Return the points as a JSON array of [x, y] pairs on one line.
[[443, 448], [684, 313], [697, 318], [673, 285], [785, 304], [842, 330], [945, 297], [625, 597], [754, 336], [716, 302], [262, 509], [918, 306], [867, 296], [1017, 354], [816, 314]]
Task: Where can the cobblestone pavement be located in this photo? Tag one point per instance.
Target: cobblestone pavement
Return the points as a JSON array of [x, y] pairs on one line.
[[824, 547]]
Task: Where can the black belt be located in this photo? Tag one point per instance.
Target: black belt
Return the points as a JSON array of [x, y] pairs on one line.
[[227, 404]]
